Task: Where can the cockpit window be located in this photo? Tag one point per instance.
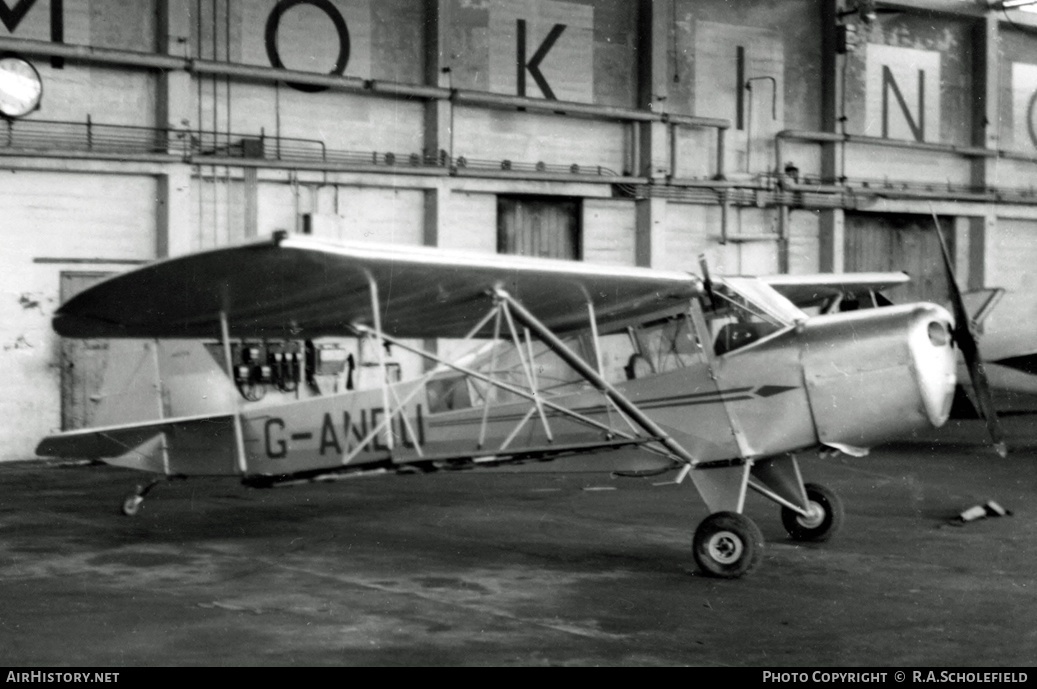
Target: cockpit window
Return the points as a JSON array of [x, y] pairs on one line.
[[736, 321], [668, 344]]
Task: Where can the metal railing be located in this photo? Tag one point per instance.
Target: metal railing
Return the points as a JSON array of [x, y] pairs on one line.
[[89, 137]]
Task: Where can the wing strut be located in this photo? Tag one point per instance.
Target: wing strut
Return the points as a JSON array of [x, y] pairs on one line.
[[557, 408], [580, 366], [529, 367], [499, 313], [377, 316], [239, 435]]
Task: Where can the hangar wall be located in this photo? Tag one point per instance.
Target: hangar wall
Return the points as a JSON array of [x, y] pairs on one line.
[[743, 131]]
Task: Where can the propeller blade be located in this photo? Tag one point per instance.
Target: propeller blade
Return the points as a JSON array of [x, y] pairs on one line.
[[966, 339], [707, 282]]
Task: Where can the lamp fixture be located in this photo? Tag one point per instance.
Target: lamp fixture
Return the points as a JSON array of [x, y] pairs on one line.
[[20, 87]]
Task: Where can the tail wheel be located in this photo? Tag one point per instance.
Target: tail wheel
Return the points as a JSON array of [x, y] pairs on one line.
[[826, 516], [727, 545], [131, 505]]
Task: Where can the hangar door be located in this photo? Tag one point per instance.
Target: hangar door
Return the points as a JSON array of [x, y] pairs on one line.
[[83, 362], [901, 242]]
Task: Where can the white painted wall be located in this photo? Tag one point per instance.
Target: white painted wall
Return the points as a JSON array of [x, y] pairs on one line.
[[531, 137], [343, 122], [804, 231], [1013, 174], [1012, 264], [470, 222], [94, 217], [609, 231], [218, 209], [904, 165], [692, 230]]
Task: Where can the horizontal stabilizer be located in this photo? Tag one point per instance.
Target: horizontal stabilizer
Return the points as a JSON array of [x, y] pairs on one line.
[[204, 444]]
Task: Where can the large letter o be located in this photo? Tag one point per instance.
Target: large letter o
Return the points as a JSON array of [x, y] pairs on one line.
[[273, 23]]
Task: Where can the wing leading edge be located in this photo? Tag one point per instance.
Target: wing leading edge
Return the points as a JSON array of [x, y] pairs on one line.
[[299, 287]]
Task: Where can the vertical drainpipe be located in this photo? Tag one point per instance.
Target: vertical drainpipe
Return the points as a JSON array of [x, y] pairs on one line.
[[721, 151], [724, 214], [636, 167], [671, 131], [783, 208], [724, 209], [783, 233]]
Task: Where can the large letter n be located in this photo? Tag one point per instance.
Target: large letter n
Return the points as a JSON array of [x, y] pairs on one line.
[[888, 83]]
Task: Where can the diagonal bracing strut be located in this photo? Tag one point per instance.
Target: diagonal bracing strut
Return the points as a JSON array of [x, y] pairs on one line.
[[580, 366]]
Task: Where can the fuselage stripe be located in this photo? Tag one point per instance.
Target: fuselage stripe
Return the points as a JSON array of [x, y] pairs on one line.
[[685, 400]]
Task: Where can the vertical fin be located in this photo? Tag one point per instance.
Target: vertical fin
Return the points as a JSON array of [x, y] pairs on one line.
[[193, 382], [149, 380], [131, 390]]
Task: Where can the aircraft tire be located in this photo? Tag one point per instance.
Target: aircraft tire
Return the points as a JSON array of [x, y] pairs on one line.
[[131, 505], [820, 528], [727, 545]]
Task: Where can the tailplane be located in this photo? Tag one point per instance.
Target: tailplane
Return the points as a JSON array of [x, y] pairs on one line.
[[165, 406]]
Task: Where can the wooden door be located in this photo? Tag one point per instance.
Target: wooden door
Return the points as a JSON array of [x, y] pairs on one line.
[[83, 362], [535, 226], [901, 242]]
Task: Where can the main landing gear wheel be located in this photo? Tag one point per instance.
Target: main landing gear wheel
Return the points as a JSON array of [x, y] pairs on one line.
[[727, 545], [826, 516]]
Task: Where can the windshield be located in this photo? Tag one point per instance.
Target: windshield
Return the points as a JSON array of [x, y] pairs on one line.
[[758, 296], [745, 310]]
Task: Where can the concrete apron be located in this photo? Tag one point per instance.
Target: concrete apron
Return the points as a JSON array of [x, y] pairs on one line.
[[569, 568]]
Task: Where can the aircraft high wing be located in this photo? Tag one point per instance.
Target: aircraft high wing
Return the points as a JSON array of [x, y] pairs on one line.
[[722, 382], [296, 287]]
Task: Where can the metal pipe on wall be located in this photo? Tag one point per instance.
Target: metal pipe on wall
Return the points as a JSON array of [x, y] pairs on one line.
[[721, 127], [671, 133], [230, 127], [783, 238], [831, 137], [215, 134], [92, 55], [198, 99]]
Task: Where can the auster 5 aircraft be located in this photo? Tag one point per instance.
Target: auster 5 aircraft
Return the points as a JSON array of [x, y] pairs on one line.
[[720, 380]]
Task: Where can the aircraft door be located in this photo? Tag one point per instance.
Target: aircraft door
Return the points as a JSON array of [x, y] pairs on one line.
[[757, 371], [669, 374], [758, 388]]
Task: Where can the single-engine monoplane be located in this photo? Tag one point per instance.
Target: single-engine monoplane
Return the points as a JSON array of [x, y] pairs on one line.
[[721, 380]]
